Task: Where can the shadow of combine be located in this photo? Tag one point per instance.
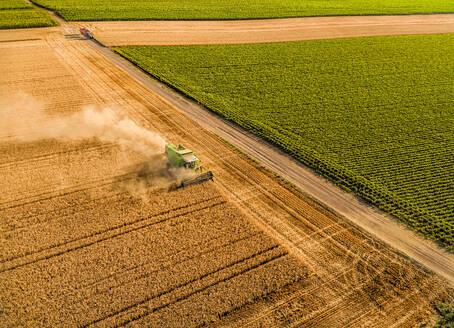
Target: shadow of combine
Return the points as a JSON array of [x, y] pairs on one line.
[[75, 36]]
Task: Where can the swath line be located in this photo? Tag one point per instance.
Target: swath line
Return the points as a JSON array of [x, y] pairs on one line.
[[284, 252], [105, 238]]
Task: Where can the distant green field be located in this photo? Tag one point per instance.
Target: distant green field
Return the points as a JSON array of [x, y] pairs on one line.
[[20, 14], [374, 115], [235, 9], [14, 4]]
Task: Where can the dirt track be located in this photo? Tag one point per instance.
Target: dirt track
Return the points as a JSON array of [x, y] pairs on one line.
[[79, 249], [120, 33]]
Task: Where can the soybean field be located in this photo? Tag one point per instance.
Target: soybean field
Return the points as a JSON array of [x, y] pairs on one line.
[[236, 9], [374, 115]]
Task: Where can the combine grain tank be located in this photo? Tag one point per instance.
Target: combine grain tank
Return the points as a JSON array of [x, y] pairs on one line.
[[181, 157], [86, 33]]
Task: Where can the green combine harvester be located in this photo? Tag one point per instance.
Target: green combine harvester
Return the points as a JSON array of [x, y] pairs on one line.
[[181, 157]]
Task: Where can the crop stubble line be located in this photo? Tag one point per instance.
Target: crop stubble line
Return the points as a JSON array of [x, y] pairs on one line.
[[251, 268], [114, 235], [332, 307], [299, 293], [199, 278], [170, 264], [95, 183], [49, 156], [114, 181], [295, 231], [58, 213], [94, 78], [395, 303], [365, 261]]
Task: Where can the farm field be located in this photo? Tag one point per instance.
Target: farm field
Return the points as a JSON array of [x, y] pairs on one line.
[[20, 14], [73, 10], [142, 33], [85, 243], [390, 142]]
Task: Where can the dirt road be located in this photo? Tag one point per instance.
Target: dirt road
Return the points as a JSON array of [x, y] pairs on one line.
[[122, 33], [79, 247]]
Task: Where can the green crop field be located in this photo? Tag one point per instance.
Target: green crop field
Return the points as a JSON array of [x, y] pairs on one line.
[[20, 14], [235, 9], [374, 115]]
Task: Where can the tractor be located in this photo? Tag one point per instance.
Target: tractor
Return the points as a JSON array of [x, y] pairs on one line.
[[85, 32]]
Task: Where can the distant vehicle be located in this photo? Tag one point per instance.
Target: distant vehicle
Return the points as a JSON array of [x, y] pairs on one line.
[[85, 32], [181, 157]]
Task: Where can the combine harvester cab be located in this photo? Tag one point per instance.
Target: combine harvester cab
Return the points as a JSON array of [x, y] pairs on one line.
[[85, 32], [181, 157]]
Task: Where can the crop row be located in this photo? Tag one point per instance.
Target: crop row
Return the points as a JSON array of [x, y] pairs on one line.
[[236, 9]]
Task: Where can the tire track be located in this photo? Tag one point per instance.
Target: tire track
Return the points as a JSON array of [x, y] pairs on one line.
[[240, 261], [182, 258], [110, 233]]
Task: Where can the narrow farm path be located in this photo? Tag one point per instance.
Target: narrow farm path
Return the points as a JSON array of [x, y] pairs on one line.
[[122, 33]]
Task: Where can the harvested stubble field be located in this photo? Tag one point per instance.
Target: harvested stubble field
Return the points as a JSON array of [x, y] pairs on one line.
[[75, 10], [80, 249], [20, 14], [156, 33], [374, 115]]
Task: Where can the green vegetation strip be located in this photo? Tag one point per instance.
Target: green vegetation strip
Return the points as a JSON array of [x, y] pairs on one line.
[[446, 312], [20, 14], [235, 9], [374, 115]]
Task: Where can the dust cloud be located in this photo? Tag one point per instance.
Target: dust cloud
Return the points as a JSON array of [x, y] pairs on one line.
[[151, 175], [23, 118]]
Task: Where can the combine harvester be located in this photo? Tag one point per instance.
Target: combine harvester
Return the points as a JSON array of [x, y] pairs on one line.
[[181, 157], [85, 32]]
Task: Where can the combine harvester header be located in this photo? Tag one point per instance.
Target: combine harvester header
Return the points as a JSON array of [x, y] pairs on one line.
[[181, 157]]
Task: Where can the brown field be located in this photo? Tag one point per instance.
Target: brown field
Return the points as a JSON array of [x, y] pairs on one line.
[[124, 33], [84, 243]]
